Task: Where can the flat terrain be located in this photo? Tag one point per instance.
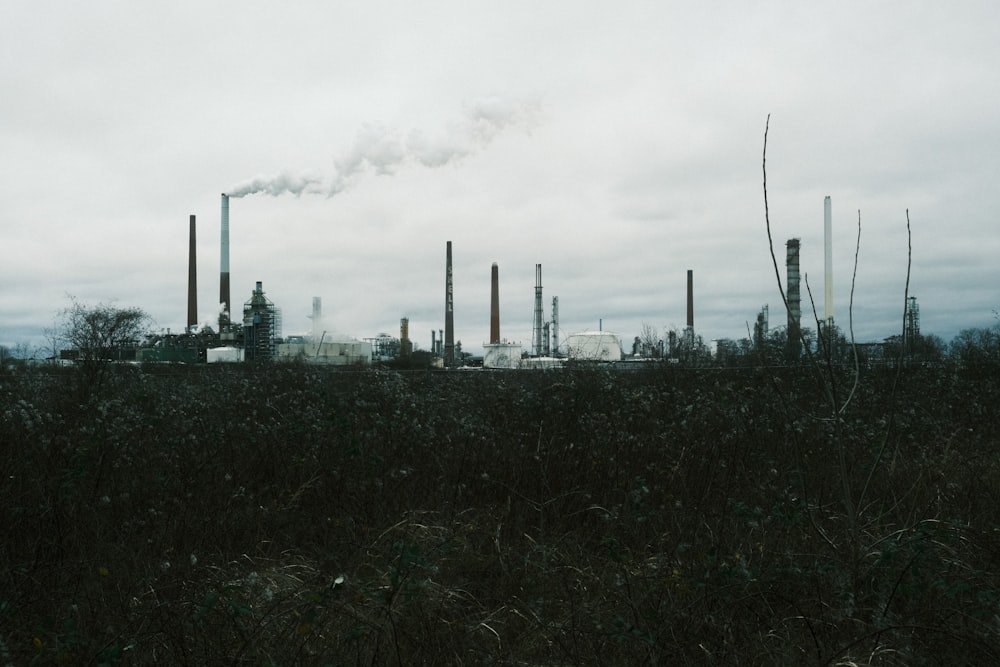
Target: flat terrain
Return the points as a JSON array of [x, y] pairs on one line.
[[293, 515]]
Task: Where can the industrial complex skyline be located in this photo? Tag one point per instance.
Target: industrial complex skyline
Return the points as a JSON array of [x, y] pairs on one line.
[[620, 147]]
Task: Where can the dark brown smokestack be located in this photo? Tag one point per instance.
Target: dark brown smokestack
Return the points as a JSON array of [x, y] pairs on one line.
[[793, 298], [449, 314], [224, 300], [690, 313], [192, 319], [495, 305]]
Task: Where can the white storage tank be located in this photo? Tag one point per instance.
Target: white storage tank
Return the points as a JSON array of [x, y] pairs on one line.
[[214, 355], [594, 346], [502, 355]]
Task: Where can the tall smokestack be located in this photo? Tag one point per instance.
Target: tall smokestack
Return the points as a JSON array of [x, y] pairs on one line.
[[690, 300], [689, 331], [224, 300], [828, 263], [192, 319], [449, 313], [495, 305], [555, 326], [538, 310], [793, 297], [405, 346]]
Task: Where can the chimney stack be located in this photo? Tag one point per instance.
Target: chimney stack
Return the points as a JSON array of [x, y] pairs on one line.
[[689, 331], [495, 305], [690, 300], [793, 298], [555, 326], [449, 314], [828, 263], [224, 299], [538, 311], [405, 346], [192, 318], [317, 318]]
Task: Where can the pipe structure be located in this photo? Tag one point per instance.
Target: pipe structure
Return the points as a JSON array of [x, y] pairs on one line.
[[793, 298], [495, 305], [224, 297], [828, 263], [449, 313], [537, 342], [192, 318]]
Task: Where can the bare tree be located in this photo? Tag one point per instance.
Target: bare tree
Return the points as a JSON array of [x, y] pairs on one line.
[[98, 335], [650, 342]]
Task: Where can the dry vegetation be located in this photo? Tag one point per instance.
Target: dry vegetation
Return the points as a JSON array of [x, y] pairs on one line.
[[287, 515]]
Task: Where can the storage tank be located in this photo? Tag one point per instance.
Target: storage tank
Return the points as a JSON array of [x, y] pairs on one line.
[[594, 346], [223, 355]]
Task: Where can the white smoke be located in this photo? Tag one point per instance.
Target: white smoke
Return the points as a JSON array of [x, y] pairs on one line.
[[382, 150], [279, 184]]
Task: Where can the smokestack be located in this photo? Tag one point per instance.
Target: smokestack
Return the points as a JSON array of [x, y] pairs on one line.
[[793, 297], [495, 305], [434, 348], [317, 317], [224, 300], [555, 326], [192, 319], [538, 310], [689, 331], [449, 313], [690, 300], [828, 263]]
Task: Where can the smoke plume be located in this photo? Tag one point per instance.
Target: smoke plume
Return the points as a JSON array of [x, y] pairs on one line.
[[279, 184], [383, 150]]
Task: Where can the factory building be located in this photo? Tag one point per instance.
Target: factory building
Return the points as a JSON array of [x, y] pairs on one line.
[[261, 327]]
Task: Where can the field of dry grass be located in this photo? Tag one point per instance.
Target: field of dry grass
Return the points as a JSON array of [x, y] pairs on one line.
[[287, 515]]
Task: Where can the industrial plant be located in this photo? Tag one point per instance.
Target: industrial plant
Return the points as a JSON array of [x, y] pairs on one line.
[[257, 335]]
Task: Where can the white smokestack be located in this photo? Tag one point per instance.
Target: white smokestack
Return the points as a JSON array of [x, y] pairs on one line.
[[317, 318], [828, 263]]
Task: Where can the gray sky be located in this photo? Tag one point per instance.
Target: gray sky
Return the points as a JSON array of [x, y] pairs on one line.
[[617, 144]]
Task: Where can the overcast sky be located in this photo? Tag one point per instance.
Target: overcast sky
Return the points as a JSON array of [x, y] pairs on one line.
[[616, 144]]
